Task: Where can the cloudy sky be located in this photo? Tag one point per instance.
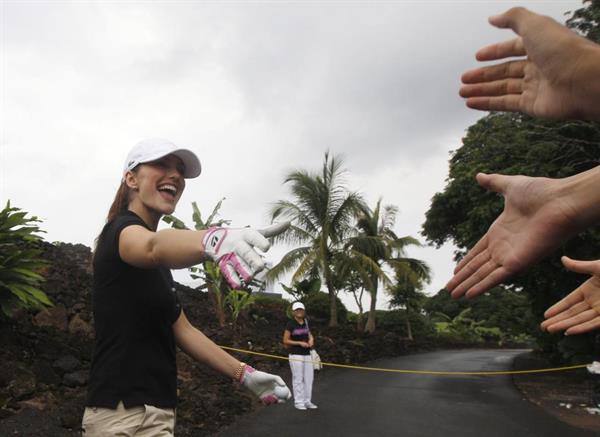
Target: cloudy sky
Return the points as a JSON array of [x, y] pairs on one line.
[[257, 89]]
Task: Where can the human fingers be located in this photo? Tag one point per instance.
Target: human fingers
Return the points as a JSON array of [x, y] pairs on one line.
[[509, 103], [487, 277], [474, 252], [498, 183], [275, 229], [256, 239], [493, 278], [530, 26], [582, 328], [471, 274], [506, 49], [460, 276], [269, 399], [229, 272], [234, 267], [279, 381], [505, 70], [515, 19], [578, 319], [570, 300], [568, 312], [249, 260], [587, 267], [565, 303], [492, 89]]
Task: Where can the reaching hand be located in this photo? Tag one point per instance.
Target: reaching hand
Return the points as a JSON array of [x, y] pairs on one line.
[[549, 82], [578, 312], [535, 220], [269, 388], [233, 250]]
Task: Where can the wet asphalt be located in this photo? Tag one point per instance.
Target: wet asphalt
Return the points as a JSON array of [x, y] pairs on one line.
[[363, 403]]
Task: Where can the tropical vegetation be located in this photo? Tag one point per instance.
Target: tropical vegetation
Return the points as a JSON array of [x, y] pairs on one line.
[[20, 263], [512, 143]]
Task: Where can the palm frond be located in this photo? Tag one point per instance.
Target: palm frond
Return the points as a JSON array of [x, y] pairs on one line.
[[366, 266], [419, 267], [288, 263], [306, 267], [291, 211]]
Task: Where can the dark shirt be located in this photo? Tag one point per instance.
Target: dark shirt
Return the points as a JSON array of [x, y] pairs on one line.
[[298, 332], [134, 310]]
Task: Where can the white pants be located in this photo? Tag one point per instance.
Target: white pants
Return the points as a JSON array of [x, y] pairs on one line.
[[302, 378]]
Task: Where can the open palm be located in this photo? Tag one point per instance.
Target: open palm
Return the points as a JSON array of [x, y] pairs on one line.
[[534, 222], [540, 84], [578, 312]]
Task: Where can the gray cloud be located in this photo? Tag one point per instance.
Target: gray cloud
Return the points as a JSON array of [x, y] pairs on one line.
[[258, 89]]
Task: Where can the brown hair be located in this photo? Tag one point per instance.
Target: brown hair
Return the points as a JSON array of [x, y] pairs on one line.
[[119, 205]]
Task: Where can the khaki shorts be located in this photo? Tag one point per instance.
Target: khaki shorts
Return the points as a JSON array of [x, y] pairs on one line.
[[128, 422]]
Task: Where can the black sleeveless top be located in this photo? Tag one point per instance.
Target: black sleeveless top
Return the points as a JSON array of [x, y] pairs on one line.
[[134, 310]]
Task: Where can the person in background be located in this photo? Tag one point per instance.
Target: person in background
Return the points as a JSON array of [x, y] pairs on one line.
[[299, 340], [138, 318]]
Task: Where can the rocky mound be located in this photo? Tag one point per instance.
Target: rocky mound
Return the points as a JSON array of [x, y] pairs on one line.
[[46, 355]]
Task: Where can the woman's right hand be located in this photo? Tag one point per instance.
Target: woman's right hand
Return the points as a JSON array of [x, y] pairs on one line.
[[304, 344], [233, 250]]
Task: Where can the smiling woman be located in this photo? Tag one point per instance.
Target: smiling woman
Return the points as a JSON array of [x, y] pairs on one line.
[[138, 318]]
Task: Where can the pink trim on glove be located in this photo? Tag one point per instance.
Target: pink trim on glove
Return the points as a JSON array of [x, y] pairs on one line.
[[269, 399], [212, 231], [247, 369], [233, 260]]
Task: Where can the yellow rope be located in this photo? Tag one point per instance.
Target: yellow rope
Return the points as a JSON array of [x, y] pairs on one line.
[[415, 372]]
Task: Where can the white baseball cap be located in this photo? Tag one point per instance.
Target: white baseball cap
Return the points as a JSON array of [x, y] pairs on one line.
[[156, 148], [297, 306]]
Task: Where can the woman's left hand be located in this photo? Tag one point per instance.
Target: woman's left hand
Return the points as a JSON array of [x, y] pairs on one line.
[[578, 312], [270, 389]]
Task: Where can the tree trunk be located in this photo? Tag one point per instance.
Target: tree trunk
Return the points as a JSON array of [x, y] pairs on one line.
[[333, 321], [408, 328], [370, 328], [360, 322], [213, 292]]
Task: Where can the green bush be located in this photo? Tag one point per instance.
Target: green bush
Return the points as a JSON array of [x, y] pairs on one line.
[[267, 305], [269, 309], [238, 301], [395, 321], [20, 263], [317, 307]]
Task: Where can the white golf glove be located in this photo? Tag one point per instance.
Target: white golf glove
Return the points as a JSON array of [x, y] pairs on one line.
[[233, 250], [269, 388]]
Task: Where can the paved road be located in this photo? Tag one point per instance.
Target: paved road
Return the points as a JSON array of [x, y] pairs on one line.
[[358, 403]]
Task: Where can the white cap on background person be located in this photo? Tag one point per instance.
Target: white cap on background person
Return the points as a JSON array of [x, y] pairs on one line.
[[155, 148], [297, 306]]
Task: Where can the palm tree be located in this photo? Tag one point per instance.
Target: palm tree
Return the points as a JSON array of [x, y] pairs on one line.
[[406, 293], [322, 212], [378, 242]]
